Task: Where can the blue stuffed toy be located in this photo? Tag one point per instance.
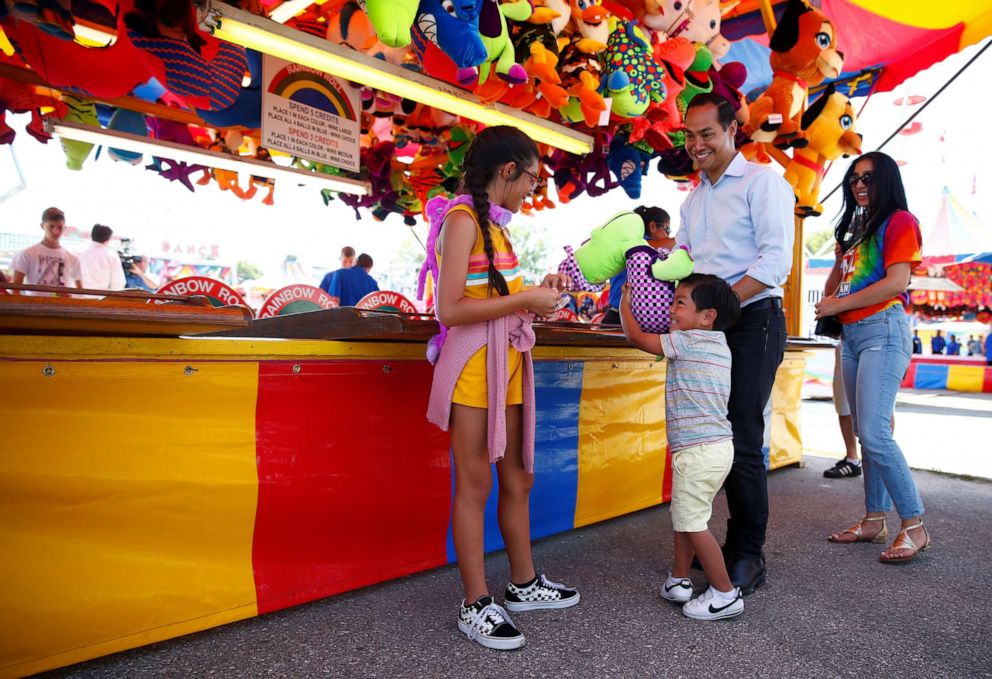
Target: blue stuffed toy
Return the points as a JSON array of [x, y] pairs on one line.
[[451, 26]]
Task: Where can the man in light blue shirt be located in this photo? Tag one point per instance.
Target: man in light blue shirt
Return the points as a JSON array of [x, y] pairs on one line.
[[739, 224]]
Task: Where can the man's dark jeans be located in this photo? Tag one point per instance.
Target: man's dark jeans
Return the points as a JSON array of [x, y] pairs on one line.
[[757, 345]]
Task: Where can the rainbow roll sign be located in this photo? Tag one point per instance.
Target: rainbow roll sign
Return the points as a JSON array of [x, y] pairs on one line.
[[310, 114], [295, 299]]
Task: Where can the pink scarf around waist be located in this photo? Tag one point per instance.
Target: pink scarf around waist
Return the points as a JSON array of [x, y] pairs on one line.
[[460, 345]]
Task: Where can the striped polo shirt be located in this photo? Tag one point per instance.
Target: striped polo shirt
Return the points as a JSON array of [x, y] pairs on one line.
[[697, 387]]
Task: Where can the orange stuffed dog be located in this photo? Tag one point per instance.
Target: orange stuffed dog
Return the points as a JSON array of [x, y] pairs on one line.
[[829, 125], [803, 54]]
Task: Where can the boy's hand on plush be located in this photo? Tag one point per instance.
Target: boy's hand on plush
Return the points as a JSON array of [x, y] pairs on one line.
[[625, 297]]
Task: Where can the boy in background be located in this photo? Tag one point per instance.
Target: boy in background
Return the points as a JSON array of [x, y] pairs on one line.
[[48, 263]]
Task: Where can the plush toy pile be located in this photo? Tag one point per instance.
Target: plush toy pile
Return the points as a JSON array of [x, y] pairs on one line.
[[622, 71]]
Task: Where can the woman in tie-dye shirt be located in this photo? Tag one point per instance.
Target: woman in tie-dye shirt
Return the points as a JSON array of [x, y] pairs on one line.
[[881, 244]]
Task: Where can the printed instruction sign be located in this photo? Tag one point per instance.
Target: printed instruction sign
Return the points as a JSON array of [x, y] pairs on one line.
[[310, 114]]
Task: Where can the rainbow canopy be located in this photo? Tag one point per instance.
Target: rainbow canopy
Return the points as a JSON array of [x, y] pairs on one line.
[[884, 42]]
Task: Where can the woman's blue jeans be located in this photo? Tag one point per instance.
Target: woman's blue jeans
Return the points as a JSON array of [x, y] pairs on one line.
[[875, 356]]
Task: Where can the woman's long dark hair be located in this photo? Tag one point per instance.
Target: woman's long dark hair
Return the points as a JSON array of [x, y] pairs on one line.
[[493, 148], [887, 196], [652, 214]]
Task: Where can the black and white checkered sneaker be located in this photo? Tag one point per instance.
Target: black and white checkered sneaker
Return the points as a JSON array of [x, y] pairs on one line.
[[539, 593], [489, 624]]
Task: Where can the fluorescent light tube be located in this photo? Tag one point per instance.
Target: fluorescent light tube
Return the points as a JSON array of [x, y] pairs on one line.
[[264, 35], [167, 149]]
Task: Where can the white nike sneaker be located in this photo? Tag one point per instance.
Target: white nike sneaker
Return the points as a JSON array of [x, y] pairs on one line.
[[710, 606], [679, 590]]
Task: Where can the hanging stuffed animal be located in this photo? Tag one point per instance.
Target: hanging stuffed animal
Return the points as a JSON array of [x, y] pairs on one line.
[[829, 125], [53, 17], [346, 24], [246, 110], [539, 199], [392, 19], [130, 122], [176, 170], [105, 72], [697, 77], [633, 78], [617, 245], [500, 54], [589, 173], [536, 46], [629, 163], [704, 27], [78, 111], [447, 31], [676, 56], [580, 66], [803, 54], [18, 97], [207, 73], [666, 18]]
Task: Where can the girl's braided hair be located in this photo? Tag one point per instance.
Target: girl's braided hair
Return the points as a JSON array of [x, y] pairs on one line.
[[491, 149]]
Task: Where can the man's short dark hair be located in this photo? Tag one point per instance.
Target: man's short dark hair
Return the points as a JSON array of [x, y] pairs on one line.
[[364, 261], [101, 233], [712, 292], [724, 111], [52, 214], [347, 251]]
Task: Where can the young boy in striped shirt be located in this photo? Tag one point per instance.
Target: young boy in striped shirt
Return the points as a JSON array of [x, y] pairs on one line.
[[700, 439]]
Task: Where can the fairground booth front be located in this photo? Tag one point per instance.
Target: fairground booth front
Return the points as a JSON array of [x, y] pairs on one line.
[[177, 460]]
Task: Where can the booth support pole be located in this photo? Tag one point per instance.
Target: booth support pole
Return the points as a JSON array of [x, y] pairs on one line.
[[793, 288]]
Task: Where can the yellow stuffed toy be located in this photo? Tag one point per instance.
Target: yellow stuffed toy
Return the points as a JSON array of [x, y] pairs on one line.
[[804, 54], [829, 126]]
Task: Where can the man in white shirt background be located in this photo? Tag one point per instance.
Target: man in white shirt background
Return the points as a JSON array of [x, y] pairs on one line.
[[102, 269]]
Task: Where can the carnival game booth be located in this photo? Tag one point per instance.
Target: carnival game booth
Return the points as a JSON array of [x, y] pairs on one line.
[[154, 486], [163, 474]]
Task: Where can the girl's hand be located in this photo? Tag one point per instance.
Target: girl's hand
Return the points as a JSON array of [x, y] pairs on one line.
[[542, 301], [828, 306], [558, 281]]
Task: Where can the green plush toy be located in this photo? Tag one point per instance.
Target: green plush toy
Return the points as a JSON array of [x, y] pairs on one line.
[[392, 19], [604, 255], [619, 245], [80, 111]]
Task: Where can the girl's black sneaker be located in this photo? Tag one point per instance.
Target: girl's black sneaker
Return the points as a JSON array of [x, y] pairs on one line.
[[489, 624], [539, 593]]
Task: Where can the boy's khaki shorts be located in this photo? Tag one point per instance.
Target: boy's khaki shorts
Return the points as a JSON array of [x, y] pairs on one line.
[[698, 473]]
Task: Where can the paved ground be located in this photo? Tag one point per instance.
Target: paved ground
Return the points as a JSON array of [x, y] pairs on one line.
[[938, 430], [827, 611]]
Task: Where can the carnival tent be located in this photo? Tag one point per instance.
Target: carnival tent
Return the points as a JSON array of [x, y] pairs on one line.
[[956, 235]]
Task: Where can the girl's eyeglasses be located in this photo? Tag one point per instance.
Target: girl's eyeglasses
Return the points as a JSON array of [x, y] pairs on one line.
[[535, 179], [864, 178]]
